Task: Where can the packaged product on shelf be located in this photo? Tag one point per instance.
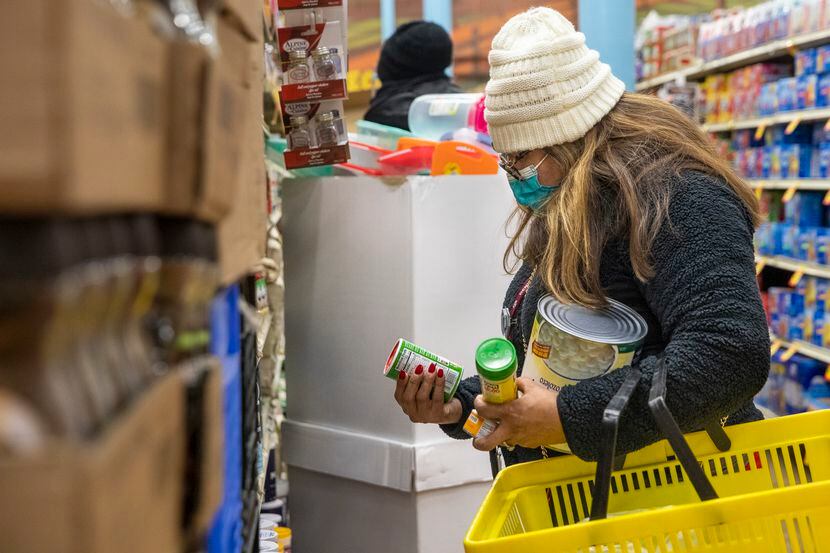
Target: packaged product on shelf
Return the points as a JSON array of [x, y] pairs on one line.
[[805, 62], [311, 60], [823, 91], [83, 109], [817, 396], [316, 134], [807, 91], [768, 102], [800, 372], [823, 246], [823, 58], [787, 94], [805, 209]]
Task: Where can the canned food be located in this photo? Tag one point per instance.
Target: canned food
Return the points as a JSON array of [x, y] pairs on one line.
[[406, 357], [479, 427], [496, 364], [571, 343]]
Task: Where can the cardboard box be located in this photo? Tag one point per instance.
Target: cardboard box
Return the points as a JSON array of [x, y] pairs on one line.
[[246, 16], [241, 235], [82, 108], [123, 491], [208, 104], [208, 460]]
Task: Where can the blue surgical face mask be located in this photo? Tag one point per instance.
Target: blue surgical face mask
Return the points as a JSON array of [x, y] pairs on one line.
[[528, 191]]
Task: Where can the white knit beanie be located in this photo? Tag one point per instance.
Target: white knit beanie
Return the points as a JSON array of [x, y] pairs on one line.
[[546, 87]]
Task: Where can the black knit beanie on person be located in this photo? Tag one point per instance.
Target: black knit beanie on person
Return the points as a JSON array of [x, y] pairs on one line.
[[415, 49]]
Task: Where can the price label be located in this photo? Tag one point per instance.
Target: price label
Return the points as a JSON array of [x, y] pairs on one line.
[[759, 132], [826, 200], [788, 195], [787, 355], [796, 278], [759, 266], [792, 126], [759, 191], [774, 347]]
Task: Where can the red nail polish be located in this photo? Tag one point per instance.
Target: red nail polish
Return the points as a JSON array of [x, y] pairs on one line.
[[401, 375], [432, 368], [419, 369], [440, 373]]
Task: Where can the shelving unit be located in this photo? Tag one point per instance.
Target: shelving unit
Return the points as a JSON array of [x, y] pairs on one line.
[[772, 50], [794, 265], [800, 346], [787, 184], [784, 118]]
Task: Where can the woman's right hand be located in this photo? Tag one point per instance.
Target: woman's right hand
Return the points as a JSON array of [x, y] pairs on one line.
[[421, 396]]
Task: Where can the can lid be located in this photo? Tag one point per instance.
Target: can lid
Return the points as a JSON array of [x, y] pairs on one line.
[[496, 359], [614, 324]]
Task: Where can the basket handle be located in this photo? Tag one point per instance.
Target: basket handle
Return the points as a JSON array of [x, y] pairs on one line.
[[668, 426], [607, 461]]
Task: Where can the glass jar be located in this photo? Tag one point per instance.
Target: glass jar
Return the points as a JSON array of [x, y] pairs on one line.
[[300, 136], [324, 65], [298, 71], [338, 123], [327, 134]]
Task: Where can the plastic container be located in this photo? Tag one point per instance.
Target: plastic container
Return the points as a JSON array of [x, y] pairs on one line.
[[411, 161], [380, 135], [458, 158], [434, 115], [284, 537], [496, 363], [759, 487]]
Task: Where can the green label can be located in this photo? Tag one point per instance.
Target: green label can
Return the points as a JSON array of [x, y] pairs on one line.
[[406, 357]]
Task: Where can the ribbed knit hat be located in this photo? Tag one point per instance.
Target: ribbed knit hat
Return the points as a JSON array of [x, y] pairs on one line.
[[546, 87], [415, 49]]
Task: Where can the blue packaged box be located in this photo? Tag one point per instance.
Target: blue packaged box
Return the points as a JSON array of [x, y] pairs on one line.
[[787, 94], [822, 293], [777, 135], [823, 246], [807, 91], [764, 162], [800, 373], [768, 101], [823, 59], [805, 62], [823, 92], [763, 239], [818, 328], [805, 209], [817, 396], [806, 245], [824, 160], [784, 238], [800, 162]]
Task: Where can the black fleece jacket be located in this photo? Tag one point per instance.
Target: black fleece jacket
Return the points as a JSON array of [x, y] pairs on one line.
[[704, 315]]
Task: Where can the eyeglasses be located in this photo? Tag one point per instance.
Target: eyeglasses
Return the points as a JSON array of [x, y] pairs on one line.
[[508, 163]]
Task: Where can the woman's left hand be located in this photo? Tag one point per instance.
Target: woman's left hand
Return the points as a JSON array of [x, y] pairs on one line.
[[530, 421]]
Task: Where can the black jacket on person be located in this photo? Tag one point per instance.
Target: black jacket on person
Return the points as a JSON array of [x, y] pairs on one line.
[[704, 315], [390, 106]]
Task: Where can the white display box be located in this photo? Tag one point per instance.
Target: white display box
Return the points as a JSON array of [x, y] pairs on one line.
[[369, 261]]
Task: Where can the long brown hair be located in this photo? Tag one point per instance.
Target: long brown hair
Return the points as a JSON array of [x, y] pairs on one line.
[[615, 183]]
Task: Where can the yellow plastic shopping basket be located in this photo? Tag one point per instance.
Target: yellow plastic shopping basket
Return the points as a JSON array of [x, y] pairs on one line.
[[769, 492]]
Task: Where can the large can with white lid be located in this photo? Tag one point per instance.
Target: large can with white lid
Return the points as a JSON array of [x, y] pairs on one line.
[[571, 343]]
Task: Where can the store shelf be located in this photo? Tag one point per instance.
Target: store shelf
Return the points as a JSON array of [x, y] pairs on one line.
[[772, 50], [804, 348], [786, 184], [784, 118], [794, 265]]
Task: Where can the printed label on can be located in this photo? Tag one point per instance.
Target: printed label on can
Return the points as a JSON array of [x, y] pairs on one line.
[[557, 359], [499, 392], [406, 357]]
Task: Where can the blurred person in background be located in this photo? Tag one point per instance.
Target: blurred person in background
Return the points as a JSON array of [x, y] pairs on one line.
[[413, 62]]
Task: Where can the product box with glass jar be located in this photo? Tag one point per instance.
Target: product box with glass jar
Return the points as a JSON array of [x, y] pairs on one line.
[[316, 134]]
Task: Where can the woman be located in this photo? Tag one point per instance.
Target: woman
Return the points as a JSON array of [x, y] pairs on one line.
[[413, 62], [620, 197]]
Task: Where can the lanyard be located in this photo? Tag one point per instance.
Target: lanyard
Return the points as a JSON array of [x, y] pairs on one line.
[[509, 316]]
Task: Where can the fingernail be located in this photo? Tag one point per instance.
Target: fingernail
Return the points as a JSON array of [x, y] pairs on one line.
[[401, 375], [440, 373], [432, 368], [419, 369]]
